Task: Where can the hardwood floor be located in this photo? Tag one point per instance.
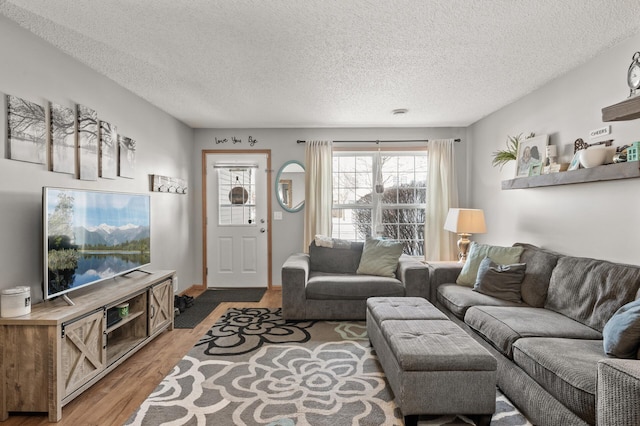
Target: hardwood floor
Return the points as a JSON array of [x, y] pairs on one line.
[[113, 399]]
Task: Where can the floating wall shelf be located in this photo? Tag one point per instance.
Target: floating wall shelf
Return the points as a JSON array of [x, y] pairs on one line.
[[626, 110], [594, 174]]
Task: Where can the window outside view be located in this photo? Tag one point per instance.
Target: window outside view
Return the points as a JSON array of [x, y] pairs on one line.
[[403, 196], [236, 196]]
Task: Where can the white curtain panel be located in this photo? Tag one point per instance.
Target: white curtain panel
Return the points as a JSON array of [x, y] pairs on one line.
[[442, 194], [318, 190], [377, 230]]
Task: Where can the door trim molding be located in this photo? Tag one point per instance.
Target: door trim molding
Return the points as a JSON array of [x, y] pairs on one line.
[[205, 152]]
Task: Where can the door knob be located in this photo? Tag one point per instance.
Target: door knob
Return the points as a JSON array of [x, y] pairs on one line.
[[263, 230]]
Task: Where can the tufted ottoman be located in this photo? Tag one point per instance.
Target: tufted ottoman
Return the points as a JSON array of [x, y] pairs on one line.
[[432, 365]]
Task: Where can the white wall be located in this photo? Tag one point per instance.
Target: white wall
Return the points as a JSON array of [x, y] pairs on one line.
[[592, 219], [287, 234], [33, 70]]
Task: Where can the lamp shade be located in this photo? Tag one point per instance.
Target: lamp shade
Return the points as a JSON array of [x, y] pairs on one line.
[[465, 221]]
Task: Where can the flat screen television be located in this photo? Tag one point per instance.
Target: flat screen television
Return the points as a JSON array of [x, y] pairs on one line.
[[92, 236]]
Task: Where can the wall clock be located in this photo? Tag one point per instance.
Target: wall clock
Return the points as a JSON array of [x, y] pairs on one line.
[[633, 75]]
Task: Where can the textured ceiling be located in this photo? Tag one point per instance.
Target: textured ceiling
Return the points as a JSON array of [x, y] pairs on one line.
[[329, 63]]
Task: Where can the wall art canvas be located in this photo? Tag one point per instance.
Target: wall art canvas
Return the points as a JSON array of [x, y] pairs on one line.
[[88, 143], [127, 166], [63, 139], [27, 131], [108, 167]]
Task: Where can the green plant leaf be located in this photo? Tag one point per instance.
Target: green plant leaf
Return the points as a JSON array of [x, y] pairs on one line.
[[502, 157]]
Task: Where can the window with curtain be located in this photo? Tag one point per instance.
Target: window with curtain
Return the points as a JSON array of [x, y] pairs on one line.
[[399, 200]]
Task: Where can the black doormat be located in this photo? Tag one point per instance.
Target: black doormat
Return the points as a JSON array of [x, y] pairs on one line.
[[207, 302]]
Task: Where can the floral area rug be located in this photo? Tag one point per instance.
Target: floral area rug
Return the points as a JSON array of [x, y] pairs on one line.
[[254, 368]]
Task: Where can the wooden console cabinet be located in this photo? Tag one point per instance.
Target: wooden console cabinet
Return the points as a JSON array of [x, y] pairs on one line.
[[53, 354]]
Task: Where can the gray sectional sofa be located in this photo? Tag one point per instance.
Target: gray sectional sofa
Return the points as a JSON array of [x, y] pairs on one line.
[[324, 284], [551, 361]]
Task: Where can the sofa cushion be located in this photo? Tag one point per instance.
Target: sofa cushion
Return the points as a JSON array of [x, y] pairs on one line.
[[540, 264], [501, 281], [477, 252], [428, 345], [502, 326], [458, 298], [325, 286], [335, 260], [566, 368], [590, 290], [380, 257], [402, 308], [621, 334]]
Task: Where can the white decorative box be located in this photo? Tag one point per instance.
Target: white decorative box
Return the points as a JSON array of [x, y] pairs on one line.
[[15, 301]]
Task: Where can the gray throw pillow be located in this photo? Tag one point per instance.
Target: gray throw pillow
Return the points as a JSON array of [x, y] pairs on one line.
[[380, 257], [503, 255], [501, 281], [621, 334]]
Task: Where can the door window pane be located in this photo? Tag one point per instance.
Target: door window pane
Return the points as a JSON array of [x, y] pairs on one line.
[[236, 196]]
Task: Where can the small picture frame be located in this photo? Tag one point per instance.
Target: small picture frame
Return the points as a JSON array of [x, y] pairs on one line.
[[531, 152], [535, 169], [575, 162]]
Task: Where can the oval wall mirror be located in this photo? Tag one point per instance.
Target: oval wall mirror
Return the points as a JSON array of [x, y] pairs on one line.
[[290, 186]]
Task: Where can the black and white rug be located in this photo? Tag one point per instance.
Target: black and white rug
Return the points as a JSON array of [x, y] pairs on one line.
[[254, 368]]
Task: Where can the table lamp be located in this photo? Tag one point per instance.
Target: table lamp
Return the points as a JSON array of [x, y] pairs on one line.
[[465, 222]]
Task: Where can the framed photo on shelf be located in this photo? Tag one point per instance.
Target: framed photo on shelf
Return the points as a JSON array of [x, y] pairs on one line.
[[575, 161], [531, 152], [535, 169]]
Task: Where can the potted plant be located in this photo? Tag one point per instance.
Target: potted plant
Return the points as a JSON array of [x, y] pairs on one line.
[[502, 157]]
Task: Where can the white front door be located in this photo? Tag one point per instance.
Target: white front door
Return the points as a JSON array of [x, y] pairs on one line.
[[237, 219]]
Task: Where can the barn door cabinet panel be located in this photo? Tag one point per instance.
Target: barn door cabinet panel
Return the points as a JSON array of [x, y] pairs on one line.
[[53, 354], [160, 307], [83, 350]]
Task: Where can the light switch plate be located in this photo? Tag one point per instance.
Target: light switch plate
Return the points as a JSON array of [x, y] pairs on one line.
[[277, 215]]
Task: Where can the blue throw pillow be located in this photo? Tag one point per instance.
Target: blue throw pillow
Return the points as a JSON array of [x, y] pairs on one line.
[[621, 334]]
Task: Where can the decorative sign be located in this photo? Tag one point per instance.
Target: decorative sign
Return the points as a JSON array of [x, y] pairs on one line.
[[602, 131], [235, 140]]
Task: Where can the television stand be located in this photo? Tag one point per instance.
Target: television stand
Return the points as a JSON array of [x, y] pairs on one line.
[[68, 300], [53, 354]]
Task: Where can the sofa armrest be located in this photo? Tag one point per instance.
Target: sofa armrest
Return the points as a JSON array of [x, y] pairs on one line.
[[441, 273], [618, 392], [414, 275], [295, 274]]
